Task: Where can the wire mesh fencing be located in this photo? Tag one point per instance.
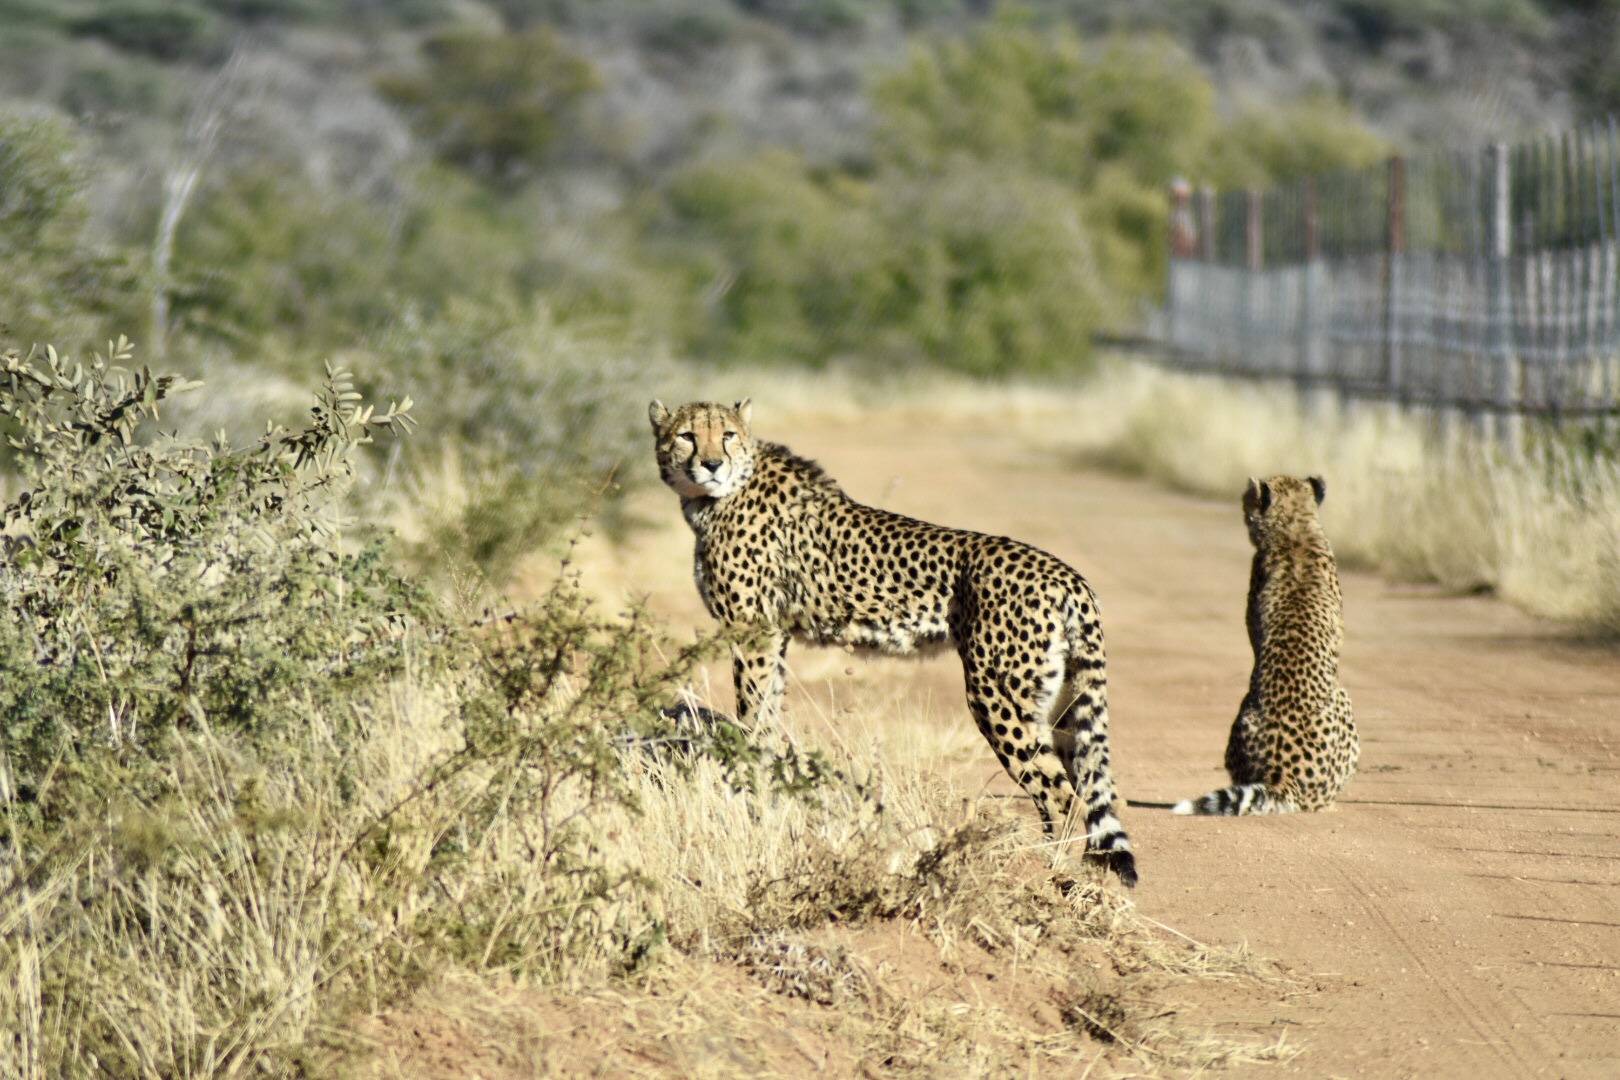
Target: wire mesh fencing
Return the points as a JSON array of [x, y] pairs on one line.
[[1480, 282]]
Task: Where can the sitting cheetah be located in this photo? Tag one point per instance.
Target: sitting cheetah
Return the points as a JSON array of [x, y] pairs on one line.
[[782, 552], [1293, 745]]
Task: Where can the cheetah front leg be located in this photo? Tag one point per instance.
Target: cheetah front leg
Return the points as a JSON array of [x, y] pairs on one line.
[[759, 670]]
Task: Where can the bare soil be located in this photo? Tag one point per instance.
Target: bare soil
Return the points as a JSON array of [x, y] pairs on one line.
[[1458, 914]]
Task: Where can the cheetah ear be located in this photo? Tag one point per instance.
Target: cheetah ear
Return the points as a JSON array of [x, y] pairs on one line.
[[1319, 486], [744, 410], [1256, 498], [657, 414]]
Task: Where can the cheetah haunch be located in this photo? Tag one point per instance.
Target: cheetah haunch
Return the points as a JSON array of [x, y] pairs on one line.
[[1294, 744], [782, 552]]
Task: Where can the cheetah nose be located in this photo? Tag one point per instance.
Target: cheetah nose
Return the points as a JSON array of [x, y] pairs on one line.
[[713, 465]]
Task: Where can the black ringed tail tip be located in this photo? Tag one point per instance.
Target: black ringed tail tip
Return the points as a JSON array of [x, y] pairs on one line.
[[1121, 863]]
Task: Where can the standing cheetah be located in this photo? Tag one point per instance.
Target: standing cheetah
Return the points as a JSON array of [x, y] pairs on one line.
[[782, 552], [1293, 745]]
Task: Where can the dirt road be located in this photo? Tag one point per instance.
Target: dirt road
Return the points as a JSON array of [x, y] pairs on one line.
[[1457, 915]]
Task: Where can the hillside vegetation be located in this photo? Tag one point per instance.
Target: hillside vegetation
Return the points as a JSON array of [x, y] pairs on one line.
[[504, 208]]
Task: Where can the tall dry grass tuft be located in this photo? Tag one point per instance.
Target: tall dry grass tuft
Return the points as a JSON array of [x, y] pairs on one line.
[[1542, 530], [756, 890]]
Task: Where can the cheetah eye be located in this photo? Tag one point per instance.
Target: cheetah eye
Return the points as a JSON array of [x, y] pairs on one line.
[[728, 436], [687, 435]]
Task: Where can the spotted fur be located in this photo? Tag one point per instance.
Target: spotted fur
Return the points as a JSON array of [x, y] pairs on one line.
[[782, 552], [1294, 744]]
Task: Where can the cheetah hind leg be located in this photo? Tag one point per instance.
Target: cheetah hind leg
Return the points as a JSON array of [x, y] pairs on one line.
[[1081, 736], [1021, 736], [1245, 795]]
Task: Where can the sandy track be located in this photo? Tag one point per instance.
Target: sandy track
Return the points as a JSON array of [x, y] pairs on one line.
[[1457, 915]]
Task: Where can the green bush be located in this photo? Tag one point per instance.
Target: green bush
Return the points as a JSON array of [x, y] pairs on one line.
[[41, 182], [270, 262], [685, 33], [1378, 21], [28, 13], [1305, 138], [282, 11], [264, 260], [979, 270], [779, 265], [1019, 98], [811, 16], [534, 426], [171, 31], [53, 276]]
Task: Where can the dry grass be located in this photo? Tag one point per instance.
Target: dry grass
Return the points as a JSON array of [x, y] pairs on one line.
[[1541, 530], [900, 924], [892, 921]]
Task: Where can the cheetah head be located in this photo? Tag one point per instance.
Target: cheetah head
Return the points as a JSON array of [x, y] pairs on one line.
[[705, 449], [1278, 502]]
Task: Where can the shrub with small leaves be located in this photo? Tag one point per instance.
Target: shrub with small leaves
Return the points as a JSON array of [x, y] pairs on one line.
[[251, 778], [155, 582]]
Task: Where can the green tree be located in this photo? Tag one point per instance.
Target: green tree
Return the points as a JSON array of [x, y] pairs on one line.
[[1020, 98], [55, 280], [1306, 138], [499, 105]]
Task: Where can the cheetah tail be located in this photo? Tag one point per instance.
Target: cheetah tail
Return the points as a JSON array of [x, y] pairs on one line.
[[1123, 864], [1235, 800]]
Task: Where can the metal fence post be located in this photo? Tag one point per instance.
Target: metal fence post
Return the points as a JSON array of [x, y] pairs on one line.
[[1253, 262], [1182, 247], [1499, 345], [1310, 342], [1394, 249]]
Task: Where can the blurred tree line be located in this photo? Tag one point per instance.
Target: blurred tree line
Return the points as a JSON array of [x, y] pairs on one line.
[[366, 165], [518, 210]]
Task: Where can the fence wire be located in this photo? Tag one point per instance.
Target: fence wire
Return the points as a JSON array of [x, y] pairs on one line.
[[1482, 281]]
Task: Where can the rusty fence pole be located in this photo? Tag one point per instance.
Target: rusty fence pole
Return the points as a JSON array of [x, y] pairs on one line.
[[1253, 254]]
